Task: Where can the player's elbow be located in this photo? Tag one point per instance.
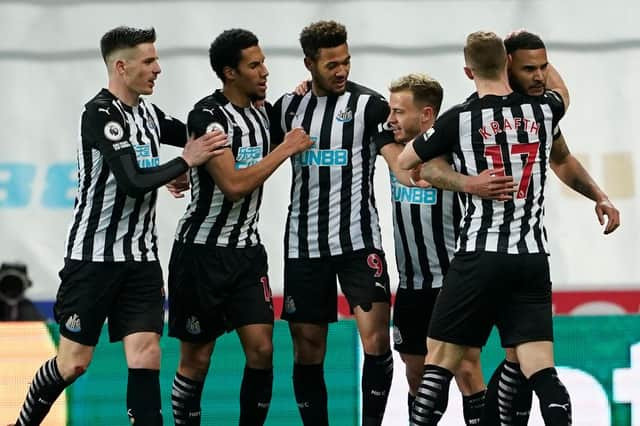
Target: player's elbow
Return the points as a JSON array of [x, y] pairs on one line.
[[132, 190], [233, 192]]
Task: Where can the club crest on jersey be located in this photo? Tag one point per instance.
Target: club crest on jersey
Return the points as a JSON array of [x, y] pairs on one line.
[[345, 116], [193, 325], [214, 126], [73, 324], [113, 131]]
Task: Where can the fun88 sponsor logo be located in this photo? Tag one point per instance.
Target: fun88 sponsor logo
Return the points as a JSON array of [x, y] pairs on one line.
[[412, 195], [145, 158], [323, 157], [248, 156]]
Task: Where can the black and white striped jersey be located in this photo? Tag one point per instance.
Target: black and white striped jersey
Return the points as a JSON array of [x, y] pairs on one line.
[[211, 218], [118, 171], [332, 209], [425, 224], [515, 132]]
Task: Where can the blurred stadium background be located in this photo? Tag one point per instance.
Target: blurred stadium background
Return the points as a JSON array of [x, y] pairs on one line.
[[50, 66]]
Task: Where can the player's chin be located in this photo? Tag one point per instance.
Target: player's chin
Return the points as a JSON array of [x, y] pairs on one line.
[[536, 91]]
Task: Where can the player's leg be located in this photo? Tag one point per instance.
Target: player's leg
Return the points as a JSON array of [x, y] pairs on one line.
[[471, 384], [196, 319], [137, 318], [250, 311], [509, 396], [310, 294], [526, 324], [365, 282], [85, 293], [462, 318]]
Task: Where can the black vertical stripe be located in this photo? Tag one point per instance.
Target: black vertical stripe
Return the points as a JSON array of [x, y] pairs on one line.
[[95, 213], [478, 147], [289, 114], [86, 160], [367, 182], [523, 137], [508, 206], [303, 228], [437, 227], [419, 241], [112, 229], [324, 176], [346, 196], [544, 140], [203, 202], [146, 119], [404, 246]]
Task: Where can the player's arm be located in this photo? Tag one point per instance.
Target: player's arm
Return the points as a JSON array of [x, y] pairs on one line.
[[237, 183], [390, 153], [108, 134], [571, 172], [276, 122], [557, 84], [489, 184], [172, 131]]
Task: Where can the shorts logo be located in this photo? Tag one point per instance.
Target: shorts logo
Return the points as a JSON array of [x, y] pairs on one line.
[[113, 131], [289, 305], [381, 286], [397, 337], [73, 323], [193, 325], [345, 115]]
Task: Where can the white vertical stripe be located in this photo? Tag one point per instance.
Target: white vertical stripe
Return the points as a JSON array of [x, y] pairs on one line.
[[356, 180], [314, 181], [335, 175]]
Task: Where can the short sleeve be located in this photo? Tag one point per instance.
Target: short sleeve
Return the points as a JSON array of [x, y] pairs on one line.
[[376, 115], [275, 122], [438, 140], [203, 119], [105, 129]]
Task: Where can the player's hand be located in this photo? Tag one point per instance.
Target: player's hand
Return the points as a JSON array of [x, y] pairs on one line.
[[296, 140], [302, 88], [198, 151], [416, 179], [179, 185], [491, 184], [606, 208]]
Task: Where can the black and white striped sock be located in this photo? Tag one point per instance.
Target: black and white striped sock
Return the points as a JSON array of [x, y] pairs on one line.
[[433, 396], [186, 394], [46, 387]]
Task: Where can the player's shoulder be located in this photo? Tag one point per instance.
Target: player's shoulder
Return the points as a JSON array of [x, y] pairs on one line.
[[214, 101], [102, 108], [359, 89]]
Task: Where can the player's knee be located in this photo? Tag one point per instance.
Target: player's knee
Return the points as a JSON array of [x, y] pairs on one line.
[[147, 356], [73, 368], [376, 343], [308, 348], [260, 355]]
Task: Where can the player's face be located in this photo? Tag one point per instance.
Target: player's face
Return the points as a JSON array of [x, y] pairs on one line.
[[251, 74], [141, 68], [528, 70], [404, 116], [330, 70]]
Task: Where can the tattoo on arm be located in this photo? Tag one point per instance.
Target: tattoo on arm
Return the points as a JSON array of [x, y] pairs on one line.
[[559, 150], [441, 175]]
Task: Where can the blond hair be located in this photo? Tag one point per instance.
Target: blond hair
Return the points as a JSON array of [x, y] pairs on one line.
[[485, 54], [426, 90]]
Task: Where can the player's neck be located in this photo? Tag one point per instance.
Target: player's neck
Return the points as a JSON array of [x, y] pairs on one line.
[[235, 96], [492, 87], [125, 95]]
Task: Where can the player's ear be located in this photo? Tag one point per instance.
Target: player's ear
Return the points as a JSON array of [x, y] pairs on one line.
[[308, 62], [509, 60], [468, 73], [427, 113], [229, 73]]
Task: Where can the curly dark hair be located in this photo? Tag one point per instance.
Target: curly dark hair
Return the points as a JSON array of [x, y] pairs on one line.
[[321, 34], [523, 40]]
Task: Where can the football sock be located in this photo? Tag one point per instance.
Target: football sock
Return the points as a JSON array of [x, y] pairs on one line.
[[255, 396], [311, 394], [186, 394], [143, 397]]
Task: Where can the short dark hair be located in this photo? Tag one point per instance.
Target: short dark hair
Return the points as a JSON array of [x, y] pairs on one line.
[[321, 34], [523, 40], [226, 49], [125, 37]]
